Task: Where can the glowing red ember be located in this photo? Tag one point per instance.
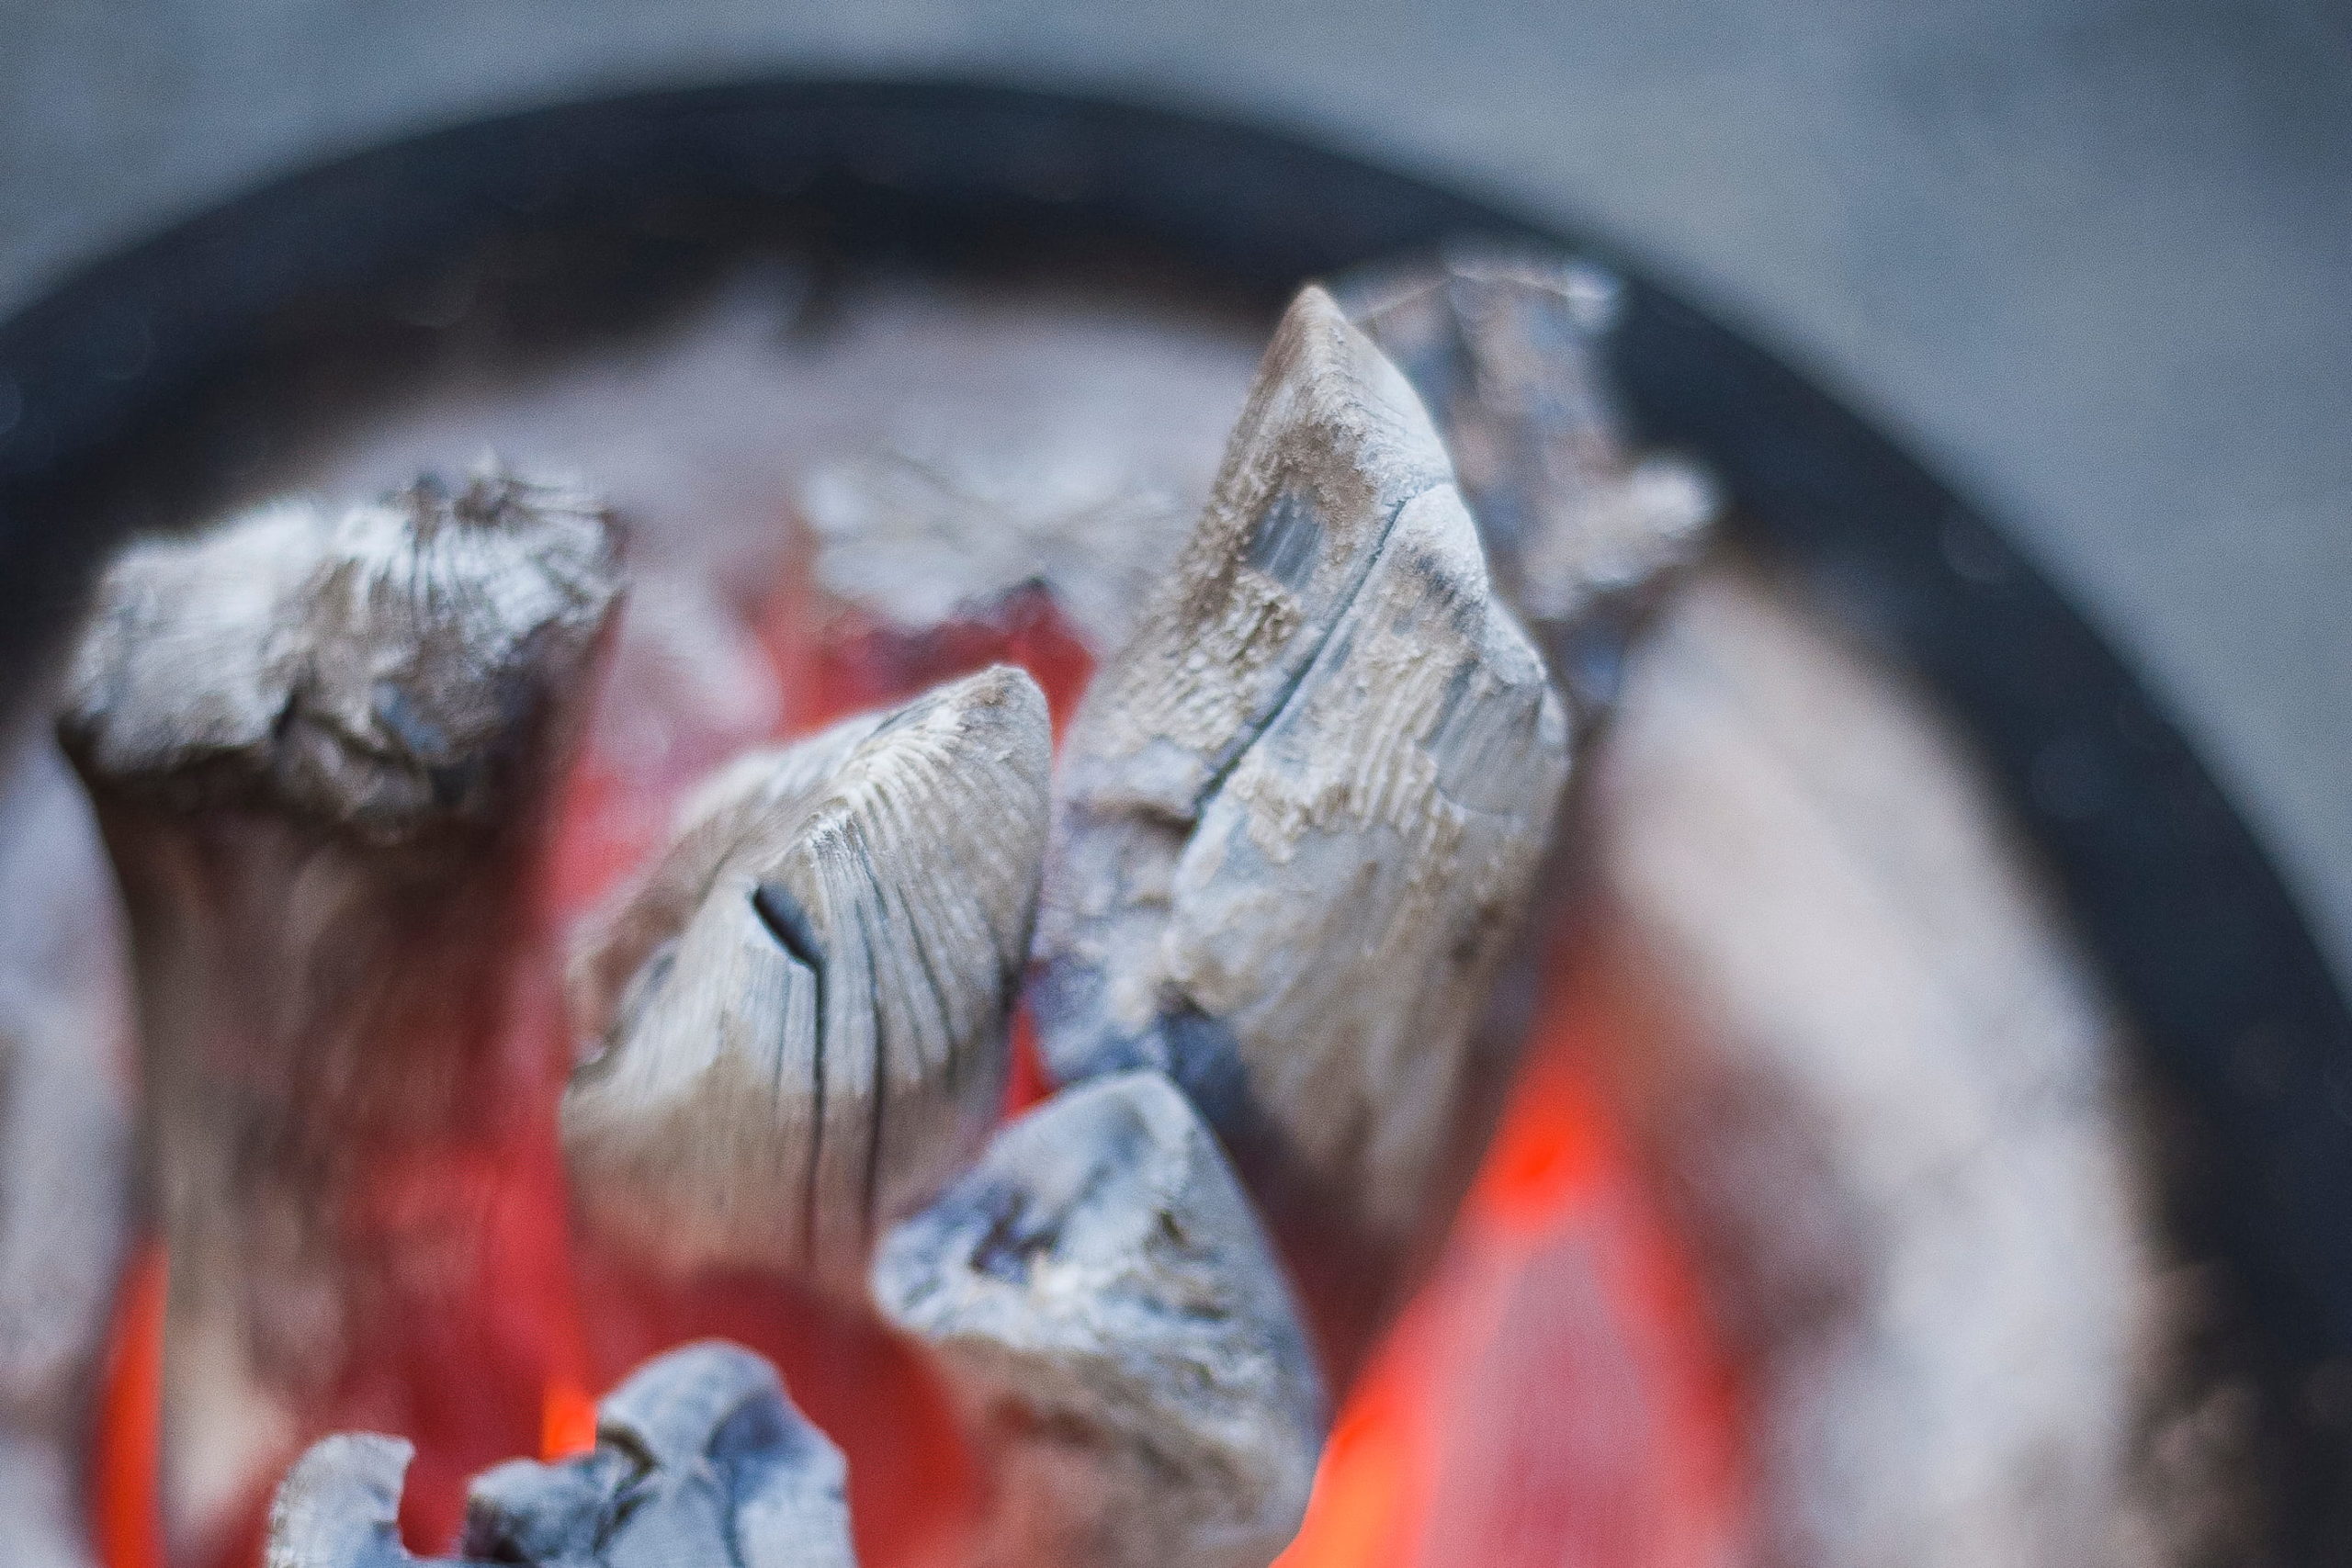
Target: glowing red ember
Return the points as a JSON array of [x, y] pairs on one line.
[[1554, 1394]]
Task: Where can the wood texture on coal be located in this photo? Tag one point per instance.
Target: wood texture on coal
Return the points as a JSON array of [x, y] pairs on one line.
[[320, 747], [797, 1021], [701, 1462], [1507, 348], [1300, 813], [382, 674], [1112, 1321]]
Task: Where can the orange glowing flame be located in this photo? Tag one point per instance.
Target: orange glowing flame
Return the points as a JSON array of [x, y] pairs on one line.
[[567, 1420], [1555, 1394], [126, 1459]]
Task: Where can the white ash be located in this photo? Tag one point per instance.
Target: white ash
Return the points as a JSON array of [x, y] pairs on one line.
[[65, 1150], [925, 538], [1860, 1047]]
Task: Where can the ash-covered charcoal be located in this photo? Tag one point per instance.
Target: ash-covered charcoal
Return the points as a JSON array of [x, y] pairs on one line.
[[1300, 815], [798, 1020], [387, 675], [340, 1506], [1119, 1337], [701, 1462], [65, 1150], [321, 748], [1506, 348]]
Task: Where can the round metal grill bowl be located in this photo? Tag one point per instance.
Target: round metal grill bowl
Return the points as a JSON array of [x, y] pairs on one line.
[[146, 388]]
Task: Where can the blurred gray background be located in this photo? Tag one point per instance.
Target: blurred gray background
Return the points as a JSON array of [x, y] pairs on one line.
[[2092, 259]]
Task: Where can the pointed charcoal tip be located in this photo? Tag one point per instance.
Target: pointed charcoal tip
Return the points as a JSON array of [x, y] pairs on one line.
[[1508, 342], [1332, 441], [1313, 318], [339, 1506], [1317, 349], [1008, 686]]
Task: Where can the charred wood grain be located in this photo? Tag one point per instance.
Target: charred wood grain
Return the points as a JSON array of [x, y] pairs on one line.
[[796, 1020]]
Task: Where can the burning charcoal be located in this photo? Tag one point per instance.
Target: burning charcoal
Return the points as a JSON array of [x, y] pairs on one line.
[[1302, 811], [65, 1155], [1506, 350], [700, 1458], [320, 747], [1119, 1337], [701, 1462], [799, 1016]]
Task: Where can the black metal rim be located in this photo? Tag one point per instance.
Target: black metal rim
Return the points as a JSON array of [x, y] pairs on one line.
[[2191, 924]]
